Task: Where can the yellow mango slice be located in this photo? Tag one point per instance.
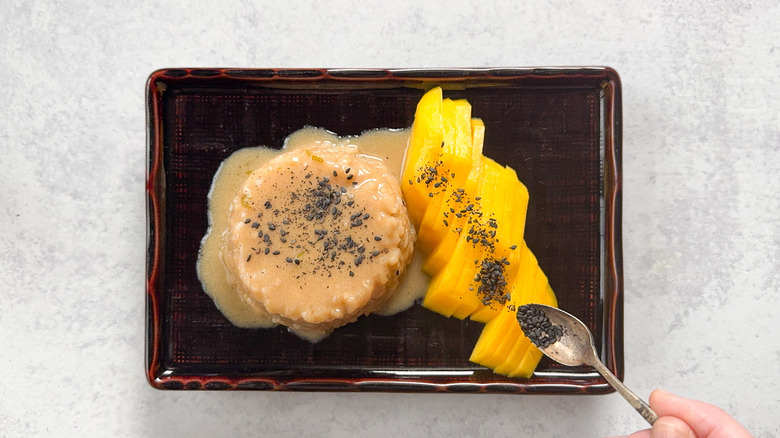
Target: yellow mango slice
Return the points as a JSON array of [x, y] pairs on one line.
[[446, 172], [521, 286], [515, 356], [425, 138], [461, 261], [533, 355], [528, 363], [451, 209], [508, 234], [499, 330], [493, 190], [519, 360], [477, 140], [439, 297]]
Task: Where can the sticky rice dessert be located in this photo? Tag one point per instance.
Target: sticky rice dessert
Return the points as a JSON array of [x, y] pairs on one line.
[[317, 237]]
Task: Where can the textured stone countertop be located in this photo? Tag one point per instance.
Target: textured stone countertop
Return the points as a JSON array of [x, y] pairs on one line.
[[701, 227]]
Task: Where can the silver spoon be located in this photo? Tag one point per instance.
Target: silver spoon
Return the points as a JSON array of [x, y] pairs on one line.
[[571, 343]]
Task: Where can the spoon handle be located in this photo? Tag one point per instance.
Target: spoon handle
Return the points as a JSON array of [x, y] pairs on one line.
[[638, 404]]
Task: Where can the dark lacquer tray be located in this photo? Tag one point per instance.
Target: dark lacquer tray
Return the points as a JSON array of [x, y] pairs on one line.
[[560, 128]]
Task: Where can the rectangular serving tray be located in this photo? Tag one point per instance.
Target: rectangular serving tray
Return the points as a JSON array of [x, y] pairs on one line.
[[559, 128]]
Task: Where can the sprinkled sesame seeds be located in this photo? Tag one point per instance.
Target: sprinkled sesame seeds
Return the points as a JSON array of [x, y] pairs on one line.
[[492, 282]]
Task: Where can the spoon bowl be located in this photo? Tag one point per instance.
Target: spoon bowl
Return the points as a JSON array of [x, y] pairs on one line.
[[565, 339]]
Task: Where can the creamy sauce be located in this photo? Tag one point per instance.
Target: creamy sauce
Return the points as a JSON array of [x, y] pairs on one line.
[[388, 145]]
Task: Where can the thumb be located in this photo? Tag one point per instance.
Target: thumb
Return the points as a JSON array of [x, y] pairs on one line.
[[671, 427]]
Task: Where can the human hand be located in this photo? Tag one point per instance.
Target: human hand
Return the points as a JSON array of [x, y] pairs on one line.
[[684, 418]]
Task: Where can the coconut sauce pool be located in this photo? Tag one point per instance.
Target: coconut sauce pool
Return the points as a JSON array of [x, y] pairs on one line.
[[389, 145]]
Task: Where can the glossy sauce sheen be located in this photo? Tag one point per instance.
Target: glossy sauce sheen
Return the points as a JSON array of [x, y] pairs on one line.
[[388, 145]]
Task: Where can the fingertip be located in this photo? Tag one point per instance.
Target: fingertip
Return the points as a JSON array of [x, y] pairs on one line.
[[671, 427], [659, 393]]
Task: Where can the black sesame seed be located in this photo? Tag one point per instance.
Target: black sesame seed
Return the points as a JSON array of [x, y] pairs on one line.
[[247, 221], [255, 225], [267, 250], [350, 176], [377, 238], [537, 327], [249, 257], [275, 252], [288, 259]]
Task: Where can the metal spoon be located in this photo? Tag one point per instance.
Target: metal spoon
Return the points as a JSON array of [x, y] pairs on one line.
[[575, 346]]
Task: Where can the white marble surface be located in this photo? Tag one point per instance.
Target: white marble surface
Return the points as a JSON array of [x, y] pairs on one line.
[[701, 98]]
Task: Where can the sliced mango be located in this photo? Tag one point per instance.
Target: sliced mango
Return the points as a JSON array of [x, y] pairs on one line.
[[450, 214], [492, 335], [447, 173], [533, 355], [501, 241], [476, 251], [515, 356], [444, 172], [438, 297], [531, 286], [425, 139]]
